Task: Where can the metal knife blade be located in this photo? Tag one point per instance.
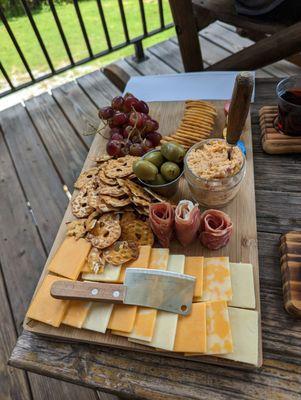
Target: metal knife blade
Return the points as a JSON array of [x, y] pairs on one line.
[[163, 290]]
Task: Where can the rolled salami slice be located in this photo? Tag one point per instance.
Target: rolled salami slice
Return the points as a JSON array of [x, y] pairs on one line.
[[216, 229], [161, 219], [187, 221]]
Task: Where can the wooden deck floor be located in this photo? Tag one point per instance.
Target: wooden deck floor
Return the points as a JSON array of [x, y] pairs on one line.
[[34, 142]]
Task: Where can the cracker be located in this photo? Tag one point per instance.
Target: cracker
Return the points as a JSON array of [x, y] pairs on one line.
[[115, 201], [85, 177], [106, 231], [126, 218], [139, 232], [96, 263], [114, 191], [102, 158], [103, 178], [121, 252], [76, 228], [121, 167], [137, 190], [80, 206], [138, 201]]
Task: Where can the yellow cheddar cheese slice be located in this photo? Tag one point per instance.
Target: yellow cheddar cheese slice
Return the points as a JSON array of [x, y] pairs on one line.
[[146, 317], [194, 267], [216, 279], [191, 330], [98, 317], [86, 268], [141, 262], [44, 307], [70, 257], [77, 313], [123, 318], [219, 337], [144, 325]]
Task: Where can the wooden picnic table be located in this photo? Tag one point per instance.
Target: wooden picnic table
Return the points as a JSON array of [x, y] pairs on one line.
[[42, 150]]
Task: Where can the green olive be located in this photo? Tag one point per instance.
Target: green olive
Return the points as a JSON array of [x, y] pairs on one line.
[[170, 171], [173, 152], [159, 180], [145, 170], [155, 157]]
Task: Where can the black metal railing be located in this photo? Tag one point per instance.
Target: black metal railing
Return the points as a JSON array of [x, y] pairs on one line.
[[136, 41]]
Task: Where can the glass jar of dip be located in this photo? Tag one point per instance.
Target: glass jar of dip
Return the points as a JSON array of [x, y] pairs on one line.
[[214, 171]]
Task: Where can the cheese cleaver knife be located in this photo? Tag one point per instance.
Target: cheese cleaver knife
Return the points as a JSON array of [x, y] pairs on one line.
[[163, 290]]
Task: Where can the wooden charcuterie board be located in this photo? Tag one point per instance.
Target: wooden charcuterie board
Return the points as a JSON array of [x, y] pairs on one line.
[[241, 248]]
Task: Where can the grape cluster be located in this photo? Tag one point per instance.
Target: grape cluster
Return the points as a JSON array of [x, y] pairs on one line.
[[132, 130]]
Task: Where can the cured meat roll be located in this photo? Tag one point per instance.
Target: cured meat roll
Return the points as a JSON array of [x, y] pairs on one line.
[[187, 221], [216, 229], [161, 219]]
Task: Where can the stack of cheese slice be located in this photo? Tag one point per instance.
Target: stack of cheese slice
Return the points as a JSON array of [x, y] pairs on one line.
[[223, 321]]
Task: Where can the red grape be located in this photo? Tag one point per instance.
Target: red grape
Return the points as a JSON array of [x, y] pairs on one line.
[[154, 137], [127, 131], [147, 145], [117, 136], [105, 113], [125, 149], [128, 95], [142, 107], [136, 150], [130, 103], [151, 125], [119, 118], [115, 130], [117, 103], [137, 119], [113, 148]]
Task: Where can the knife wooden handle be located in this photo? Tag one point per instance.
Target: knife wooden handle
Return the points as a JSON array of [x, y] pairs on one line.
[[240, 105], [74, 290]]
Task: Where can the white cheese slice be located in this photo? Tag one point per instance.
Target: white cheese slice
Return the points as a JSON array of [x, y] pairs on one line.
[[166, 322], [242, 281], [244, 327], [110, 274], [98, 317]]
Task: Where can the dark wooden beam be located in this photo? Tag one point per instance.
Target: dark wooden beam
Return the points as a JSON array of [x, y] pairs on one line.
[[187, 33], [266, 51]]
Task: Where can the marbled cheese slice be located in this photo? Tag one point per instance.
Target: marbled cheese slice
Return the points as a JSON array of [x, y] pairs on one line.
[[77, 313], [217, 279], [141, 262], [98, 317], [146, 317], [44, 307], [191, 330], [244, 326], [219, 338], [194, 267], [110, 273], [242, 280], [166, 322], [70, 257]]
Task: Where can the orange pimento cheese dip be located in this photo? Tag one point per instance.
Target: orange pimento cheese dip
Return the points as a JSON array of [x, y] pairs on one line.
[[215, 160]]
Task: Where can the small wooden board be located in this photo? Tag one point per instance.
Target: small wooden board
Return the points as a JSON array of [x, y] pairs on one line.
[[273, 141], [241, 248], [290, 250]]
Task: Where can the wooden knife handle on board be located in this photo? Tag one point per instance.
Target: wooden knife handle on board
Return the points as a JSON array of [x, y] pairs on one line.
[[74, 290], [240, 105]]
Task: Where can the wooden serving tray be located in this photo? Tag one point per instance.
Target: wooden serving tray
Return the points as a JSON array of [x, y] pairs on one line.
[[242, 246], [273, 141]]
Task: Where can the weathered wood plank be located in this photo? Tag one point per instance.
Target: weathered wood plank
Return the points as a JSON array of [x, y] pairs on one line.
[[169, 53], [151, 66], [98, 88], [77, 108], [64, 146], [39, 179], [13, 384], [155, 377]]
